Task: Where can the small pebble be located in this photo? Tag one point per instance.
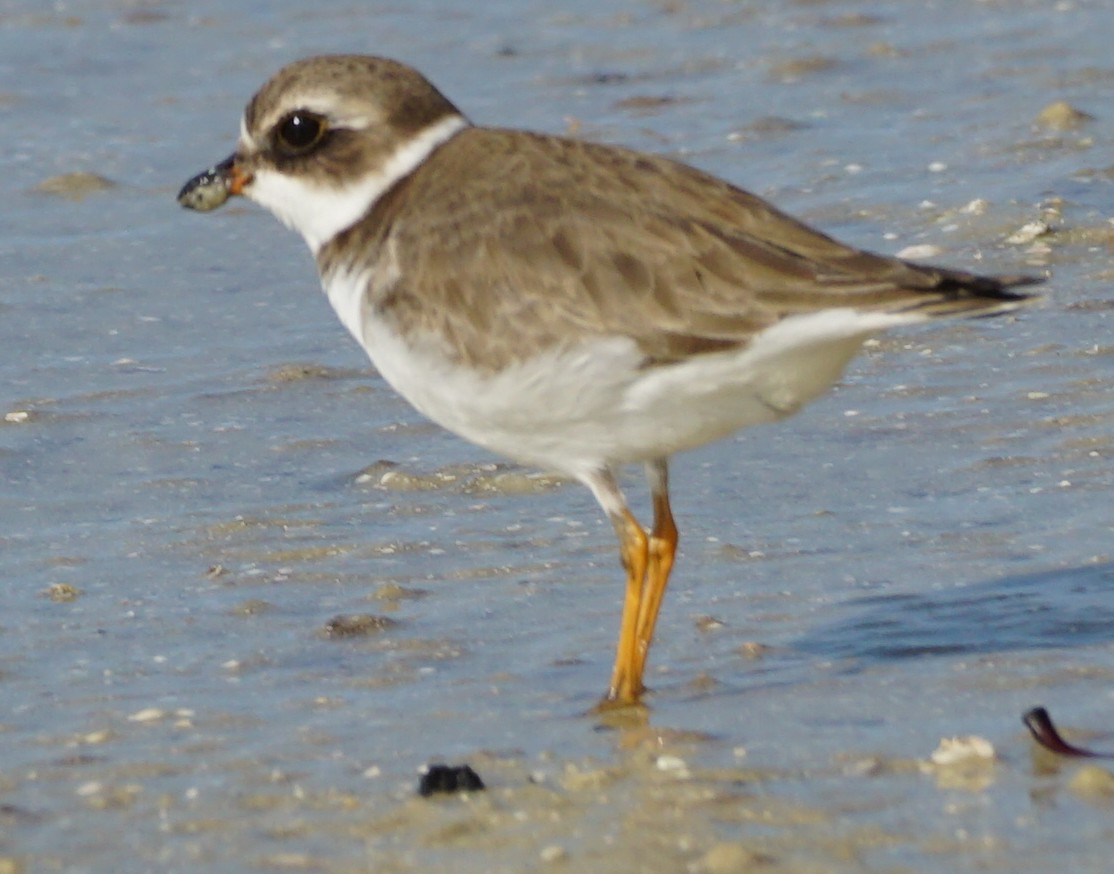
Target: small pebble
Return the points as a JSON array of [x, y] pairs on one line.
[[397, 481], [395, 592], [1029, 232], [977, 206], [1091, 781], [675, 767], [357, 625], [62, 593], [148, 714], [708, 623], [729, 858], [671, 763], [449, 779], [752, 649], [553, 853], [1061, 116]]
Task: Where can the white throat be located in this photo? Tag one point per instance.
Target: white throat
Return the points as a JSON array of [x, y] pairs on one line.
[[320, 212]]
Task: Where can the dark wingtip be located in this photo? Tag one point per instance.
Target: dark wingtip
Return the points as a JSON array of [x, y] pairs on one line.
[[1004, 283], [977, 296], [994, 287]]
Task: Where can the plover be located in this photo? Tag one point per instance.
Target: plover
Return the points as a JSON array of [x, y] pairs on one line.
[[573, 306]]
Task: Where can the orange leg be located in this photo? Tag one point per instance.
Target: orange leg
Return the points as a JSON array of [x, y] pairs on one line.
[[662, 551], [648, 561], [634, 550], [626, 676]]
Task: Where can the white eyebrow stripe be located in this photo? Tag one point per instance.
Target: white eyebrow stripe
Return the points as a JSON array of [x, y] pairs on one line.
[[246, 138], [352, 122]]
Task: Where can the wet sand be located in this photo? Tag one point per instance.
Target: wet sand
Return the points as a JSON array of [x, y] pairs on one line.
[[248, 593]]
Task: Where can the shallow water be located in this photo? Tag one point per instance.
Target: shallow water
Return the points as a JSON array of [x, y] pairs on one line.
[[200, 472]]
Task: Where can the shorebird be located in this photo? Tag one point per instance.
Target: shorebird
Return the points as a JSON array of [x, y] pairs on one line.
[[571, 305]]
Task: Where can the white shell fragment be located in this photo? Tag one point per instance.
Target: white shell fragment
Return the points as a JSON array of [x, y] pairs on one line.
[[963, 750], [1029, 232], [919, 252]]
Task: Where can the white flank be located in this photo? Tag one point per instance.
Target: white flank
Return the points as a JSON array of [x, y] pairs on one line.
[[319, 212], [576, 409]]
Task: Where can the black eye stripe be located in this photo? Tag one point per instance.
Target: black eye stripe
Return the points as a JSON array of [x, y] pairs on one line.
[[299, 132]]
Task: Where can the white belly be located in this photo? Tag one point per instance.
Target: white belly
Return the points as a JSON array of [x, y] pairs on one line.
[[575, 409]]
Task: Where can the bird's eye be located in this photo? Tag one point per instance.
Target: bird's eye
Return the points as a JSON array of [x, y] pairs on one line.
[[300, 131]]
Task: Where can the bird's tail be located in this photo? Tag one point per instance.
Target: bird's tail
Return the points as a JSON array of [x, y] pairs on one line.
[[956, 293]]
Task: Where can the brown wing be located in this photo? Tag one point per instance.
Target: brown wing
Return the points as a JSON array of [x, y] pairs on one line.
[[641, 246]]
